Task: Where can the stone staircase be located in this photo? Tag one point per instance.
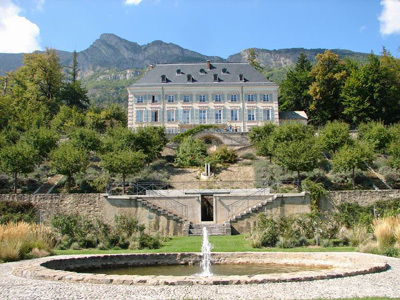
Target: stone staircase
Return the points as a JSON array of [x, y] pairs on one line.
[[255, 208], [161, 210], [212, 228]]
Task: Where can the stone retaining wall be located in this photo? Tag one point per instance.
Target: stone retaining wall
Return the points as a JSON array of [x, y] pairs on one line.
[[363, 197], [96, 206]]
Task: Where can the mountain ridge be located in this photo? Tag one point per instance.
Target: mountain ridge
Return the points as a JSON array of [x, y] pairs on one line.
[[110, 51]]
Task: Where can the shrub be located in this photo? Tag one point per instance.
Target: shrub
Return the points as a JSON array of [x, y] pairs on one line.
[[223, 155], [191, 152], [316, 190], [12, 211], [18, 240], [358, 235]]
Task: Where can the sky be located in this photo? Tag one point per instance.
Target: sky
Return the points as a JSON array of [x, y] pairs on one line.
[[211, 27]]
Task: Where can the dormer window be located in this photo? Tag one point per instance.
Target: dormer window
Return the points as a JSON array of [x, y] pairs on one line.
[[241, 78], [178, 72], [163, 78], [216, 78], [224, 71], [202, 71], [189, 78]]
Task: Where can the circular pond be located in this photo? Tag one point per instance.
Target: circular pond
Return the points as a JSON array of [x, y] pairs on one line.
[[298, 267]]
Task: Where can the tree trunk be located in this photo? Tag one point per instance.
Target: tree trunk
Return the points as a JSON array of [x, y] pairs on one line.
[[270, 159], [15, 182], [123, 184], [68, 184], [354, 182], [298, 181]]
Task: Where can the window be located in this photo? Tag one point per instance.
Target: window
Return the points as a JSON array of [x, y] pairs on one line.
[[202, 98], [171, 98], [170, 116], [233, 98], [154, 99], [250, 98], [139, 116], [265, 97], [171, 130], [218, 98], [250, 115], [234, 115], [203, 116], [267, 114], [154, 116], [186, 116], [139, 99], [218, 116], [186, 98]]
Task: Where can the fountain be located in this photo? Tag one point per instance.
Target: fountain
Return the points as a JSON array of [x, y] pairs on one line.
[[206, 255]]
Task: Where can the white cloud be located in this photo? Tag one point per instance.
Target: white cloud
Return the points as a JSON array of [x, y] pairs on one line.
[[133, 2], [17, 34], [390, 17]]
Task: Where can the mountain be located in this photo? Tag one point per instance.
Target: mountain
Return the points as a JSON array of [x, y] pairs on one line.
[[112, 63], [113, 52]]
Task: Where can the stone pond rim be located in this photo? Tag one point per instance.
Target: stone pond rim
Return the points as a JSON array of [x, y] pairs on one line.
[[61, 268]]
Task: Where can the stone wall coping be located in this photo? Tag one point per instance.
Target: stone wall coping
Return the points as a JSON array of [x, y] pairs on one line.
[[340, 265]]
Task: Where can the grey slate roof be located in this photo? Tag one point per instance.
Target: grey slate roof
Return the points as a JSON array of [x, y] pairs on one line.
[[293, 115], [230, 77]]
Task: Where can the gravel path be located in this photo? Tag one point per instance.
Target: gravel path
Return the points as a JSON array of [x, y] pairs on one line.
[[385, 284]]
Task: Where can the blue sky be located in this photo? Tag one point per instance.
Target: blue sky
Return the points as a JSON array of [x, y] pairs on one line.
[[211, 27]]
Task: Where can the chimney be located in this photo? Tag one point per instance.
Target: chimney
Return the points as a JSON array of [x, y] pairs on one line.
[[208, 64]]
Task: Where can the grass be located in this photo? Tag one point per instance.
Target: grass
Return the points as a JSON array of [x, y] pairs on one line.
[[234, 243]]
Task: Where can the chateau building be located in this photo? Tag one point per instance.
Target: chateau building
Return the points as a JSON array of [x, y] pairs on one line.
[[233, 96]]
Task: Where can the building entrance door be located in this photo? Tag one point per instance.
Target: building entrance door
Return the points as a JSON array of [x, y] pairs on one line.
[[207, 208]]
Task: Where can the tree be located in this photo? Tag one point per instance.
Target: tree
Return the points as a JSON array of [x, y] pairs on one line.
[[43, 140], [191, 152], [124, 162], [261, 138], [289, 132], [329, 74], [294, 90], [252, 60], [68, 160], [352, 157], [68, 119], [334, 135], [298, 155], [375, 134], [86, 139], [73, 94], [16, 159], [151, 140]]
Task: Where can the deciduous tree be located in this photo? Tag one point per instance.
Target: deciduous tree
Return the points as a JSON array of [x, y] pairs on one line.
[[124, 162], [352, 157], [16, 159], [69, 160]]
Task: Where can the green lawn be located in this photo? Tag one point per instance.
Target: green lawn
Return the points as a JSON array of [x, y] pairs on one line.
[[234, 243]]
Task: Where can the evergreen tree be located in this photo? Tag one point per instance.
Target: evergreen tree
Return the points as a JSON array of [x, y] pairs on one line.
[[294, 90]]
